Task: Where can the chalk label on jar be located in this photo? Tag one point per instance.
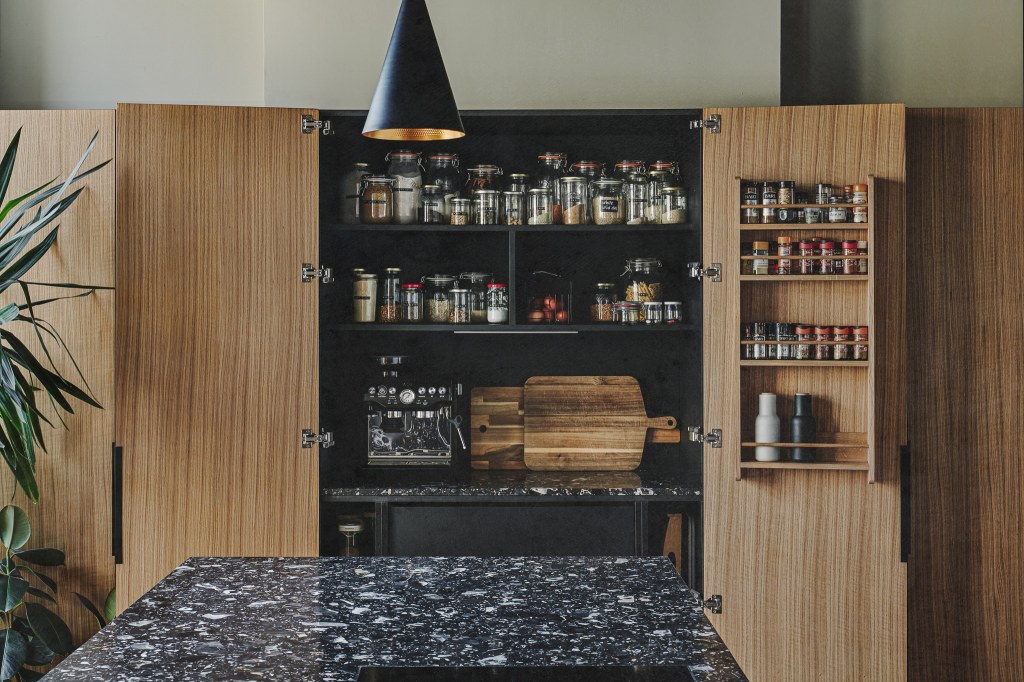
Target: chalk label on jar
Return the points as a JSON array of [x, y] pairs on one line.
[[609, 205], [378, 202]]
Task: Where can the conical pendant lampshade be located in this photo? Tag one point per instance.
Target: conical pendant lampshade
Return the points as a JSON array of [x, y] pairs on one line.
[[413, 100]]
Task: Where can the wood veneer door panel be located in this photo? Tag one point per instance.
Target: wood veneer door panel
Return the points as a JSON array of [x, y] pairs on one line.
[[216, 335], [807, 562], [965, 202], [73, 513]]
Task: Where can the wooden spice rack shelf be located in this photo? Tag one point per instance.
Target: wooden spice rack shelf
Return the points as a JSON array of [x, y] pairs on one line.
[[848, 397], [621, 227]]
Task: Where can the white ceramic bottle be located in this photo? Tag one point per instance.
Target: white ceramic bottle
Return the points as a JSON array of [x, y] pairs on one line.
[[767, 429]]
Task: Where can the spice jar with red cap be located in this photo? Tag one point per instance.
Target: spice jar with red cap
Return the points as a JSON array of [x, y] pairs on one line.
[[851, 266]]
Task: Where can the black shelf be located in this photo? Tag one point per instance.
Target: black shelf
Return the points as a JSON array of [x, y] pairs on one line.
[[681, 227], [511, 328]]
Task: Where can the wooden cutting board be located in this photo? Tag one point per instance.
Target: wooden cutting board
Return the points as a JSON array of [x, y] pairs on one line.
[[497, 429], [586, 423]]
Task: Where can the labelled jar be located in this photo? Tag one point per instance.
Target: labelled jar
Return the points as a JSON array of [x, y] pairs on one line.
[[823, 351], [551, 166], [364, 297], [351, 188], [389, 311], [461, 210], [836, 213], [485, 207], [591, 171], [859, 194], [476, 283], [673, 312], [643, 281], [541, 208], [432, 206], [805, 336], [760, 262], [842, 351], [497, 303], [769, 195], [601, 305], [404, 169], [412, 302], [822, 193], [626, 313], [785, 249], [862, 250], [460, 306], [513, 208], [572, 191], [826, 249], [851, 266], [438, 302], [787, 188], [608, 206], [376, 200], [442, 169], [674, 208], [808, 266], [751, 196], [860, 343]]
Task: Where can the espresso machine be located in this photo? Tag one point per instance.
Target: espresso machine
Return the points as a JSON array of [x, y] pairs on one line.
[[410, 423]]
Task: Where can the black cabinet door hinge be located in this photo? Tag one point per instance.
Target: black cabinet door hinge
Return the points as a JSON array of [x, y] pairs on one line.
[[713, 603], [905, 510], [116, 499]]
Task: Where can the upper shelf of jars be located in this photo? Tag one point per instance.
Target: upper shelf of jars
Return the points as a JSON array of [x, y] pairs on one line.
[[432, 193]]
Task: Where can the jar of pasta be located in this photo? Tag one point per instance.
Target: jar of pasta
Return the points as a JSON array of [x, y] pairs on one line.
[[643, 281]]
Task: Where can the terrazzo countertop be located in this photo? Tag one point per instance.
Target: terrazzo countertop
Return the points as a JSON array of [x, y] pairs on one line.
[[529, 484], [323, 619]]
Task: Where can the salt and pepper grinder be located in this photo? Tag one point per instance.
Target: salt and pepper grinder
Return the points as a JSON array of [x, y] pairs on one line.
[[767, 429], [804, 427]]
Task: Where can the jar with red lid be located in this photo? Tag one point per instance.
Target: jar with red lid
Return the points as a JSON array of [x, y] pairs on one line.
[[841, 351], [862, 250], [623, 169], [807, 248], [851, 266], [860, 343], [823, 351], [804, 349], [828, 266], [785, 249]]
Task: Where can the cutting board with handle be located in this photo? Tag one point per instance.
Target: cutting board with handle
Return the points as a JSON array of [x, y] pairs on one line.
[[586, 423], [497, 429]]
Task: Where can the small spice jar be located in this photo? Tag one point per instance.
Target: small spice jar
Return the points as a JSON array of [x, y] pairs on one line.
[[572, 193], [461, 304], [823, 351], [837, 213], [391, 296], [804, 349], [807, 265], [364, 297], [604, 298], [541, 208], [769, 195], [673, 205], [760, 264], [376, 200], [860, 343], [862, 264], [608, 207], [860, 214], [513, 208], [626, 313], [432, 206], [786, 190], [460, 211], [439, 305], [746, 349], [812, 215], [785, 249], [412, 302], [822, 193], [828, 266], [673, 312], [784, 333], [851, 266], [759, 350], [497, 303], [751, 194], [653, 312], [859, 194], [485, 207], [841, 351]]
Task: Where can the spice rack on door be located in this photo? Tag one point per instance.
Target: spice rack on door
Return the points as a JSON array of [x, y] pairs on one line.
[[842, 390]]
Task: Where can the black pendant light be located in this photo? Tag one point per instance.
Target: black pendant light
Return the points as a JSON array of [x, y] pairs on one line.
[[414, 100]]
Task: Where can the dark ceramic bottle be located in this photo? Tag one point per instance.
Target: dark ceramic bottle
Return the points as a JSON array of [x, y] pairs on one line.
[[804, 427]]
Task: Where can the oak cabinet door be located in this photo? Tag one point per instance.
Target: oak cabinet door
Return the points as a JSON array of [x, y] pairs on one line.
[[216, 345], [807, 558]]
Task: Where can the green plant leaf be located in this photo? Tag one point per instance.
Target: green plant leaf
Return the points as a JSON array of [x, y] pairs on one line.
[[44, 579], [13, 203], [91, 608], [6, 169], [49, 627], [41, 556], [36, 592], [28, 260], [110, 605], [38, 653], [15, 529], [12, 591], [14, 652], [9, 312], [40, 198]]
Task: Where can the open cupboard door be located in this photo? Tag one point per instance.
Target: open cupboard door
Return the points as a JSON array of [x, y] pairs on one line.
[[216, 346], [807, 556]]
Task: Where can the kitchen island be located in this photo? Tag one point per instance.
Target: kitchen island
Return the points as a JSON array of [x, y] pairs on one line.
[[326, 618]]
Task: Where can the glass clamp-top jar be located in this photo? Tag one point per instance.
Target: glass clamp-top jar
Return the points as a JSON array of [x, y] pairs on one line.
[[439, 305], [412, 302], [460, 312], [432, 206], [601, 305], [391, 296], [669, 167], [626, 313], [657, 180], [364, 297], [351, 188], [674, 208], [497, 303], [591, 170], [404, 169], [476, 283], [643, 281], [485, 207], [608, 206], [483, 176], [623, 169], [376, 200], [635, 192], [572, 192], [442, 169], [551, 166], [513, 208], [541, 208]]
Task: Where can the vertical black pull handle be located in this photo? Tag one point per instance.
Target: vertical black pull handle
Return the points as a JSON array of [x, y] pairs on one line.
[[116, 498], [904, 503]]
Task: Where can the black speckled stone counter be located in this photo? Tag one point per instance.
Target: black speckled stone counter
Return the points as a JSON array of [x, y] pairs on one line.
[[617, 484], [323, 619]]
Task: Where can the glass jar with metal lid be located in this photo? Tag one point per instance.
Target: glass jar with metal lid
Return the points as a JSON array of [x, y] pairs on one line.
[[364, 297], [404, 169], [432, 206], [461, 302], [541, 207], [461, 212], [483, 176], [643, 280], [376, 200], [476, 283], [485, 207], [351, 186], [623, 169], [673, 312], [551, 166], [412, 302], [572, 191], [608, 205], [601, 305], [652, 312], [442, 169], [391, 296], [626, 313], [439, 306], [591, 170], [517, 182], [670, 167], [513, 208], [657, 179], [674, 207], [635, 191]]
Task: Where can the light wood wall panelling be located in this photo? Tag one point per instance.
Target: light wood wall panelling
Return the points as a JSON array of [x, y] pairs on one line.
[[965, 202], [807, 562], [73, 513], [216, 335]]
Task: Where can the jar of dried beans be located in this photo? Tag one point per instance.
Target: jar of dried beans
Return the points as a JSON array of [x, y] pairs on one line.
[[604, 298]]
